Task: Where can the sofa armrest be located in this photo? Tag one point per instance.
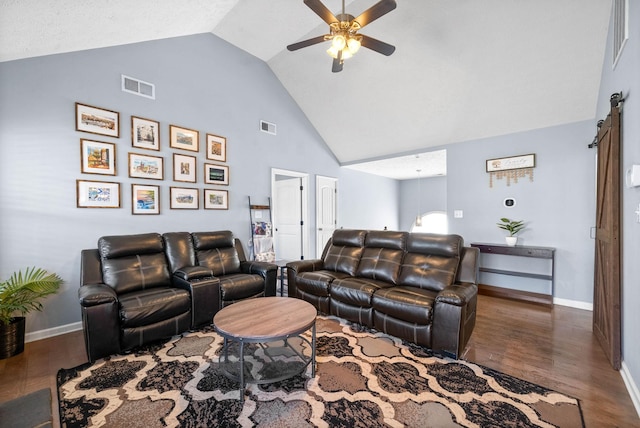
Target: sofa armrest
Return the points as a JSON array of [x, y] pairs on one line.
[[300, 266], [296, 267], [268, 271], [454, 316], [205, 296], [188, 273], [96, 294], [469, 267], [458, 294], [100, 320]]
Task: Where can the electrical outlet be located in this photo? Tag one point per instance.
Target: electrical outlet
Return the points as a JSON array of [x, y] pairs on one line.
[[457, 214]]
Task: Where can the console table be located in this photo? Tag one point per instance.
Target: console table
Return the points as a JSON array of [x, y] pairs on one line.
[[521, 251]]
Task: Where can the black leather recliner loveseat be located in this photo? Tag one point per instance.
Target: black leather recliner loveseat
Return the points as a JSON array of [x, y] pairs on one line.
[[136, 289], [416, 286]]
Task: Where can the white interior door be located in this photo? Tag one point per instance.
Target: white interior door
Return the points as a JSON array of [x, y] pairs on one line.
[[326, 210], [289, 190]]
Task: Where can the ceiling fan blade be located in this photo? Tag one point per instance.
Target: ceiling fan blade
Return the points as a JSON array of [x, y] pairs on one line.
[[321, 10], [337, 63], [377, 45], [305, 43], [374, 12]]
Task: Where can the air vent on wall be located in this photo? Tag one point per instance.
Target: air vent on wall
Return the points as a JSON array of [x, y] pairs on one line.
[[620, 28], [269, 128], [138, 87]]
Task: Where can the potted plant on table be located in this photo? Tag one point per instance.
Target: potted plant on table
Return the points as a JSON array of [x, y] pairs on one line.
[[21, 293], [513, 227]]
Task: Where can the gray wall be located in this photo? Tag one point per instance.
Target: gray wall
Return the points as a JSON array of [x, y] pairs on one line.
[[430, 194], [625, 78], [367, 201], [202, 83], [557, 206]]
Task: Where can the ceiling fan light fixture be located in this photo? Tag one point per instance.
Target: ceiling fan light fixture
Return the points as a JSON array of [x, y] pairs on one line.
[[343, 31], [354, 44], [333, 52], [339, 42]]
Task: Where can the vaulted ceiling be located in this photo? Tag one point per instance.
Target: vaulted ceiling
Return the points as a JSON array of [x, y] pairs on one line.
[[462, 70]]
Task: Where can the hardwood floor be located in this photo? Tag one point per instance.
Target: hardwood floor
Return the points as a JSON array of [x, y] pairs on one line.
[[553, 347]]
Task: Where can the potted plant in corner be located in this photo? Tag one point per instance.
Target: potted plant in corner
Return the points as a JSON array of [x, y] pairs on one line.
[[21, 293], [513, 227]]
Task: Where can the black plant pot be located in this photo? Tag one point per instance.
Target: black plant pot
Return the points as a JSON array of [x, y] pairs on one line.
[[12, 338]]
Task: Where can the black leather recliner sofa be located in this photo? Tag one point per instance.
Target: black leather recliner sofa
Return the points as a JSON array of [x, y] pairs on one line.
[[136, 289], [416, 286]]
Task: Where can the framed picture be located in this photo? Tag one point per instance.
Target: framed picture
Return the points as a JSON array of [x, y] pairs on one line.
[[145, 133], [183, 198], [183, 138], [97, 120], [216, 148], [145, 166], [216, 199], [184, 168], [513, 162], [145, 199], [97, 157], [97, 194], [216, 174]]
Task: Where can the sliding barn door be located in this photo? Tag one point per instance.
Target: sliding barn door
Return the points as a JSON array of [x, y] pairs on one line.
[[606, 299]]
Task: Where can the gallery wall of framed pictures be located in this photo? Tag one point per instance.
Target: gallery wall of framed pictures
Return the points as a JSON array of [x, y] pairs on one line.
[[99, 158]]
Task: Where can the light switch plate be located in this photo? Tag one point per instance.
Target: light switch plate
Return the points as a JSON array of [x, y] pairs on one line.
[[457, 214]]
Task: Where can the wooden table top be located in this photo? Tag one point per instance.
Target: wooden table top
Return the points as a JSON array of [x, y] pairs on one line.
[[265, 318]]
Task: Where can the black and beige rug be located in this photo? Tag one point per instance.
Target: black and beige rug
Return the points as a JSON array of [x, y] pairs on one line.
[[363, 379]]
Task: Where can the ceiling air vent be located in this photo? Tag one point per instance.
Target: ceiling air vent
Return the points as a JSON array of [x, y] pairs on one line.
[[138, 87], [269, 128]]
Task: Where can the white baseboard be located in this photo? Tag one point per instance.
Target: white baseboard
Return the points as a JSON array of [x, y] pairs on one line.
[[573, 304], [50, 332], [634, 393]]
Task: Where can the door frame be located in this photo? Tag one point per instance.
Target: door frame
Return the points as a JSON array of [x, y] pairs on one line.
[[318, 207], [304, 178]]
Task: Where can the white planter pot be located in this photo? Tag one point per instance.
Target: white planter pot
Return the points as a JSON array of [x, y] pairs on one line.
[[511, 240]]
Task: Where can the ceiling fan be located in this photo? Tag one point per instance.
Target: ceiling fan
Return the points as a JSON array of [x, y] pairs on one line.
[[343, 32]]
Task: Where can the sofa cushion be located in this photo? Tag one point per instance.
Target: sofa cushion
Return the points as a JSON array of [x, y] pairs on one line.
[[111, 247], [133, 262], [381, 264], [217, 251], [343, 255], [240, 286], [356, 291], [141, 308], [386, 239], [434, 244], [179, 250], [431, 261], [317, 282], [348, 238], [411, 304], [136, 273]]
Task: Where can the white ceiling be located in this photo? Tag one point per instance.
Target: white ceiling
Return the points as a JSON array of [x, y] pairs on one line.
[[462, 70]]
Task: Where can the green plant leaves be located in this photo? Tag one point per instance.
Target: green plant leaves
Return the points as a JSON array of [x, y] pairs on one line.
[[22, 292], [511, 226]]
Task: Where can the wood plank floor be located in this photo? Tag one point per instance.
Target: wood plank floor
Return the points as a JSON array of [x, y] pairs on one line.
[[553, 347]]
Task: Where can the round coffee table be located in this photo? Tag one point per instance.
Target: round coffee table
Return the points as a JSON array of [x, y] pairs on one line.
[[263, 320]]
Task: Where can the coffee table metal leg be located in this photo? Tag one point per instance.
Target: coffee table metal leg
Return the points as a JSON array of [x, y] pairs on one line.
[[242, 371], [313, 350]]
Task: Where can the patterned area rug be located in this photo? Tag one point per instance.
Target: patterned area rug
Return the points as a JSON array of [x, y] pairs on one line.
[[363, 379]]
